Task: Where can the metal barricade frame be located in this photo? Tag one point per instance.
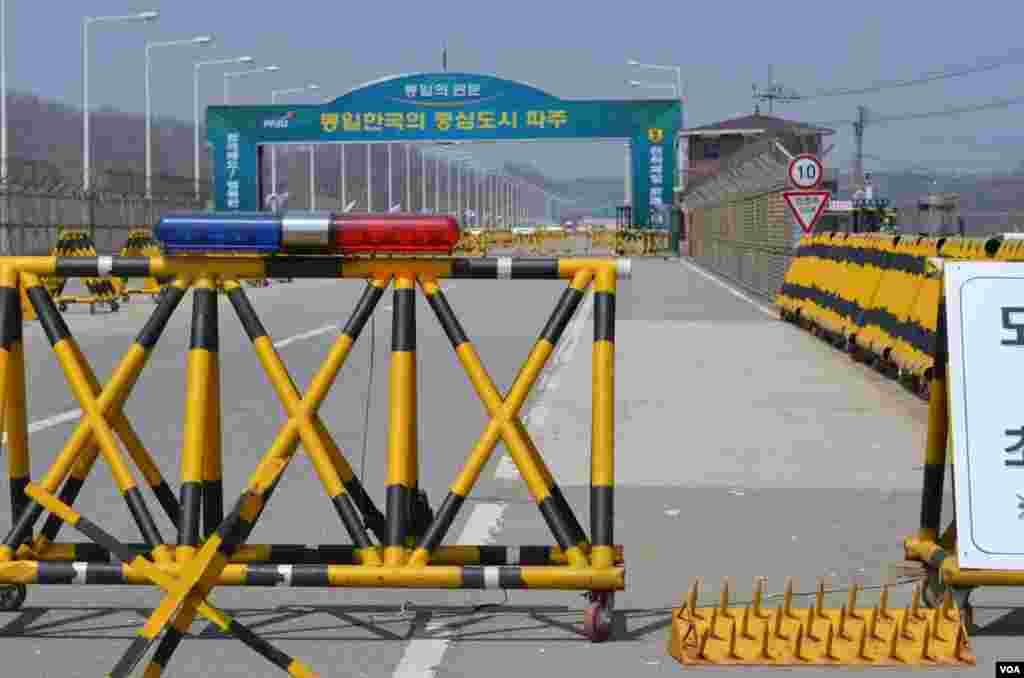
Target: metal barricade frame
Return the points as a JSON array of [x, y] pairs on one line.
[[210, 549]]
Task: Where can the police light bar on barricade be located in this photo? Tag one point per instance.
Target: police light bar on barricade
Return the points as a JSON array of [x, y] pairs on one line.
[[307, 232]]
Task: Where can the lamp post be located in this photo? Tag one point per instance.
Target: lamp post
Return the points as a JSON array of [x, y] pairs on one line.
[[437, 183], [238, 74], [341, 175], [423, 176], [195, 109], [391, 200], [86, 22], [150, 46], [273, 149], [369, 181], [408, 177]]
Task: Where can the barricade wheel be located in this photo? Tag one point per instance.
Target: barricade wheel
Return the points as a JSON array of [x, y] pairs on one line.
[[597, 619], [114, 306], [62, 307], [12, 597]]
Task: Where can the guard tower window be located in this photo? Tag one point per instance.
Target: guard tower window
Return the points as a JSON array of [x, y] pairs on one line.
[[712, 149]]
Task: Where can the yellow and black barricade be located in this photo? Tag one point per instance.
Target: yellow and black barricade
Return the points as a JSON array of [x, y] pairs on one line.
[[399, 547], [73, 243], [140, 243], [869, 294]]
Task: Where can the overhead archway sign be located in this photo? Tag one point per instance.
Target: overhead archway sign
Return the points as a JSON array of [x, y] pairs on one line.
[[438, 107]]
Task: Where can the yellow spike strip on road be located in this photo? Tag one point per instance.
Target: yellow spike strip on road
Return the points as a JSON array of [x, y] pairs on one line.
[[820, 636]]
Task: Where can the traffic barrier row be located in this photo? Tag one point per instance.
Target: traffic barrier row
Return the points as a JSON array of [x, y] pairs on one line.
[[872, 296], [542, 241], [401, 546]]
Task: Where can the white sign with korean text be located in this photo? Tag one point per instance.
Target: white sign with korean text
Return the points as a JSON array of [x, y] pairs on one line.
[[985, 315]]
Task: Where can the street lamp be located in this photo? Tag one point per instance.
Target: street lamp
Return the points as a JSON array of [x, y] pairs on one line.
[[273, 149], [665, 85], [195, 107], [198, 40], [238, 74], [408, 177], [86, 21]]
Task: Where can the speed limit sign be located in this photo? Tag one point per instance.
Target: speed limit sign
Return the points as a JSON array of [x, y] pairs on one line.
[[805, 171]]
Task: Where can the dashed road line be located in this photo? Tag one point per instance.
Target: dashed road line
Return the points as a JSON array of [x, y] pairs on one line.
[[423, 656]]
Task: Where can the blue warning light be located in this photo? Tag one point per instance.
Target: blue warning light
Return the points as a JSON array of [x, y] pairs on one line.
[[222, 231]]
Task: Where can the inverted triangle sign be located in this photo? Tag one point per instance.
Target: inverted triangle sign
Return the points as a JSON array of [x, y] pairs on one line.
[[807, 206]]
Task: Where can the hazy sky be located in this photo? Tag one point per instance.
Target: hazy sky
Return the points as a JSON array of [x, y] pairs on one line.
[[570, 48]]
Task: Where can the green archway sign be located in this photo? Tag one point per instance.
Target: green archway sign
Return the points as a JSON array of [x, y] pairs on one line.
[[431, 107]]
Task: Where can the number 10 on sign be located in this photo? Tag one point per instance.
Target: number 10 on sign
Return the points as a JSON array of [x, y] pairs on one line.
[[805, 171]]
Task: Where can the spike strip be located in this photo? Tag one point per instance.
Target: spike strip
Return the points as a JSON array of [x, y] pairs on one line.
[[819, 636]]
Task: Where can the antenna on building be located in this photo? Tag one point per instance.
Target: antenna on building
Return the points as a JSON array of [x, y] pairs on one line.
[[774, 92]]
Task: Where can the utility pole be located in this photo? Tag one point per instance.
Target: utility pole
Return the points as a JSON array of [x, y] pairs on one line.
[[858, 134], [774, 92]]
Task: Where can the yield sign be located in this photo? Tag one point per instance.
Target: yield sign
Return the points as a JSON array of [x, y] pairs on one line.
[[807, 206]]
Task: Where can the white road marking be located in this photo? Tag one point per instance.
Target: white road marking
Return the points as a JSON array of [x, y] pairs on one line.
[[548, 384], [71, 415], [305, 335], [730, 289], [50, 422], [423, 656]]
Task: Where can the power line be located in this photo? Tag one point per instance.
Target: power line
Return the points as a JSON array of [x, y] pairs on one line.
[[1014, 57], [954, 110], [997, 103]]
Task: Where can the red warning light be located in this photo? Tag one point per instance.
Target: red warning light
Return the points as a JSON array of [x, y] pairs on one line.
[[394, 233]]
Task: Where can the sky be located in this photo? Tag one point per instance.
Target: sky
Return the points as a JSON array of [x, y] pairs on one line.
[[570, 48]]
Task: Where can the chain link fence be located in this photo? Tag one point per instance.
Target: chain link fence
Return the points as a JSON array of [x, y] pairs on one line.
[[39, 199], [739, 225]]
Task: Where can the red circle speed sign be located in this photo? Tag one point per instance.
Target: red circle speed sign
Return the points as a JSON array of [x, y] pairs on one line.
[[805, 171]]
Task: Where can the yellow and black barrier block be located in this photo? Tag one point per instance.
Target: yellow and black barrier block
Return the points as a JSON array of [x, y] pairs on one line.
[[74, 243], [140, 243], [872, 295], [752, 635], [401, 547]]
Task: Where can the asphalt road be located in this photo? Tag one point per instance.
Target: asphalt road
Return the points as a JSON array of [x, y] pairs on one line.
[[744, 448]]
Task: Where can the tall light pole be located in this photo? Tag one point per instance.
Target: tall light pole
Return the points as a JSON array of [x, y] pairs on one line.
[[273, 149], [150, 46], [440, 155], [3, 98], [239, 74], [369, 182], [391, 198], [341, 175], [408, 177], [195, 108], [86, 22], [423, 176]]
